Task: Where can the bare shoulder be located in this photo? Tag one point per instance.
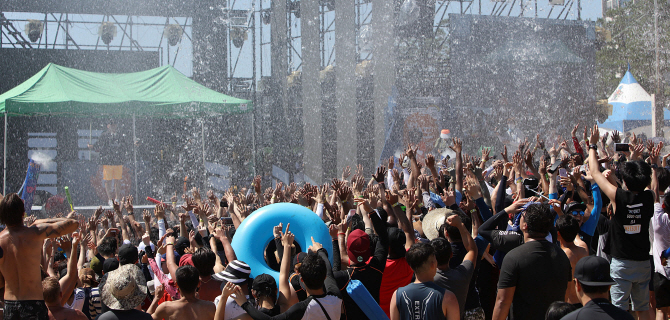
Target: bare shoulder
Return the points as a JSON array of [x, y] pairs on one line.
[[450, 297], [79, 315]]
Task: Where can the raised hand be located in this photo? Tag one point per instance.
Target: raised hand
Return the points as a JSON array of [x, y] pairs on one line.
[[573, 133], [595, 135], [539, 144], [159, 212], [346, 172], [458, 145], [128, 204], [315, 245], [485, 155], [381, 173], [616, 137], [146, 216], [116, 206], [504, 154], [391, 162], [359, 170]]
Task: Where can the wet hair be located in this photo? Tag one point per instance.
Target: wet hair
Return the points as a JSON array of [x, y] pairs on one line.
[[313, 271], [188, 278], [50, 289], [539, 220], [11, 210], [568, 226], [397, 240], [153, 235], [442, 250], [204, 260], [418, 254], [663, 176], [453, 232], [356, 222], [636, 175], [107, 247], [558, 309]]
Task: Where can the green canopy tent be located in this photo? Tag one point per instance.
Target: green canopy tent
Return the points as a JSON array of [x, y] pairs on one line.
[[159, 92]]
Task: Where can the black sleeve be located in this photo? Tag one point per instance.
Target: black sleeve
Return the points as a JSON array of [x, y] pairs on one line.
[[381, 249], [509, 275], [336, 256], [329, 283], [500, 196], [489, 225], [280, 248], [296, 312]]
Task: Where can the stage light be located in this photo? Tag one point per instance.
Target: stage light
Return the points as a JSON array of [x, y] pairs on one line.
[[107, 32], [294, 6], [34, 30], [265, 16], [238, 36], [330, 4], [173, 34]]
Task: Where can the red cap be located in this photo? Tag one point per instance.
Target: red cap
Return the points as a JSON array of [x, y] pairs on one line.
[[358, 246], [185, 260]]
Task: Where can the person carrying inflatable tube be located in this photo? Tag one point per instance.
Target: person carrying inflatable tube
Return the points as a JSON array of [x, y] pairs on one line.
[[255, 233]]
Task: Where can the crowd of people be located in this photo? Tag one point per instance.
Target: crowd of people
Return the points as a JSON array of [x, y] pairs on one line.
[[576, 231]]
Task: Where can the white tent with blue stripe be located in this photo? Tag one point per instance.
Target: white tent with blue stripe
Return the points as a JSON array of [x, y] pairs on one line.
[[631, 106]]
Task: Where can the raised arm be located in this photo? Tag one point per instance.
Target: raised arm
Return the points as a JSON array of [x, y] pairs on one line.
[[54, 227], [458, 148], [122, 222], [284, 271], [68, 282], [468, 242], [598, 177]]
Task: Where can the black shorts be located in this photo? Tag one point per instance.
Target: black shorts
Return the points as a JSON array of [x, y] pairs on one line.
[[26, 310], [662, 292]]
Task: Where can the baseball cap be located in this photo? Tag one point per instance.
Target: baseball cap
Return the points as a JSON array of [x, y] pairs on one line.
[[128, 254], [358, 246], [297, 259], [181, 244], [264, 283], [593, 271], [186, 259], [575, 206], [110, 264]]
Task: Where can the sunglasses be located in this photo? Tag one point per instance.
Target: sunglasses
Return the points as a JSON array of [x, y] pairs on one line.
[[581, 213]]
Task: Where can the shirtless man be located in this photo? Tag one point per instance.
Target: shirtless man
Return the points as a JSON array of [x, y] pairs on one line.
[[188, 307], [20, 258], [53, 296], [205, 261], [568, 229]]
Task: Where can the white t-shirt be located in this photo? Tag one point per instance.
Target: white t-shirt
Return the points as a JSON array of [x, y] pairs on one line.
[[332, 304], [661, 224], [233, 310], [78, 301]]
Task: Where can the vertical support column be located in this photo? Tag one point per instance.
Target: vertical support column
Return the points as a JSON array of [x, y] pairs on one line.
[[383, 53], [278, 48], [311, 89], [345, 59], [4, 159], [210, 46]]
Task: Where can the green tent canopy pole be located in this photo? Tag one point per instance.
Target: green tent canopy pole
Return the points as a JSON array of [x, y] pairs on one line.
[[4, 159], [135, 157]]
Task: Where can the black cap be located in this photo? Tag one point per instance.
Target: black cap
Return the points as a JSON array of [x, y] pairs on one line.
[[264, 283], [593, 271], [298, 258], [128, 254], [110, 264], [181, 244]]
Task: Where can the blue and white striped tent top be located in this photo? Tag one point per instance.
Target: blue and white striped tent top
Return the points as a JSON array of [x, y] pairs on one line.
[[631, 106]]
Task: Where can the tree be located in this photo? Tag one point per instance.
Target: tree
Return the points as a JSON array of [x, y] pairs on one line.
[[632, 33]]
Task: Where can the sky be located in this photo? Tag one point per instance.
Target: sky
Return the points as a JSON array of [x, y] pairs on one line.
[[240, 60]]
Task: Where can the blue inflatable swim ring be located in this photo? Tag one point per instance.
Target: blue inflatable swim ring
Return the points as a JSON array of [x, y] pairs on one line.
[[255, 233]]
